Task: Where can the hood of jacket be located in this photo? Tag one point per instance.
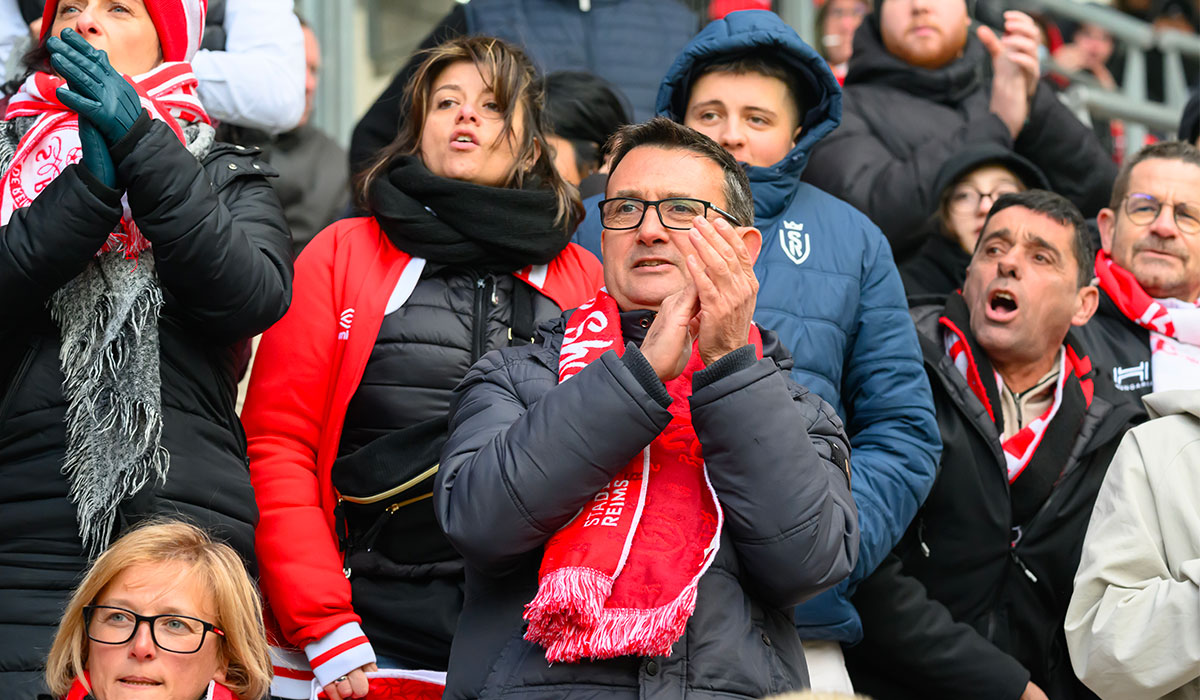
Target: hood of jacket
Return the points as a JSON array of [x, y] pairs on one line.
[[743, 32], [1169, 403], [948, 85]]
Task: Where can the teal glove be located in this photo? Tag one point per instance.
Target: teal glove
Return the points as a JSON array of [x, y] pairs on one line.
[[95, 154], [97, 93]]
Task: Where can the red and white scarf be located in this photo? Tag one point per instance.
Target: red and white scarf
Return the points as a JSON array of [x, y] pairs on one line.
[[621, 577], [1174, 326], [168, 92], [1019, 449]]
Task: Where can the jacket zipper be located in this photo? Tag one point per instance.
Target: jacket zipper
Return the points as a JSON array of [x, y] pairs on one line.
[[479, 344]]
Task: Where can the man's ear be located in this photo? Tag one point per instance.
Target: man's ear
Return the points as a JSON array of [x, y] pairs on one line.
[[1086, 301], [1106, 221], [752, 239], [796, 134]]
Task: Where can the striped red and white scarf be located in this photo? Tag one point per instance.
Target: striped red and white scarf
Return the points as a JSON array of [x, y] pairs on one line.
[[1020, 449], [168, 93], [610, 584], [1174, 326]]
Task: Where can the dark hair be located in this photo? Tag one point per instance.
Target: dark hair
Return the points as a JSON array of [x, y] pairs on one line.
[[1166, 150], [1057, 208], [511, 76], [584, 109], [762, 63], [661, 132]]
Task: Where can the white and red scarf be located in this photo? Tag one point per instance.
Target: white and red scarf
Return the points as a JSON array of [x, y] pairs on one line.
[[168, 92], [1174, 326], [1019, 450], [621, 577]]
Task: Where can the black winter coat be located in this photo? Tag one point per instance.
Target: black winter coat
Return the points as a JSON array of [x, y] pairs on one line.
[[968, 605], [938, 269], [224, 261], [409, 588], [525, 453], [901, 123], [1120, 350]]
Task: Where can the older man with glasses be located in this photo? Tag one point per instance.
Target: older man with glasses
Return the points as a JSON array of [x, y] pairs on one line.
[[1146, 333], [643, 494]]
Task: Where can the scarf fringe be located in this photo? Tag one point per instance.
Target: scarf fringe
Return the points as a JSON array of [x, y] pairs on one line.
[[573, 596], [114, 410], [621, 632]]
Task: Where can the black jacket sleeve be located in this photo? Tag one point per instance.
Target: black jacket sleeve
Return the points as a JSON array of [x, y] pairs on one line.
[[512, 474], [220, 240], [1068, 152], [912, 641], [890, 182], [379, 126], [48, 243], [777, 457]]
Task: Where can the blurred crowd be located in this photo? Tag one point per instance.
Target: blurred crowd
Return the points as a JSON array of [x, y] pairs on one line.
[[631, 349]]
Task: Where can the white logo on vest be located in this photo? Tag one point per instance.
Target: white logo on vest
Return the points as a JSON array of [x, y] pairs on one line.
[[794, 241]]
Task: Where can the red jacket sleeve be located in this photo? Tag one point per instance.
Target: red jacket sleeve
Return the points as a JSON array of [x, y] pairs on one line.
[[285, 414]]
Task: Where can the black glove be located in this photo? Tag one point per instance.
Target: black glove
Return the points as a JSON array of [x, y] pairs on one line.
[[97, 93]]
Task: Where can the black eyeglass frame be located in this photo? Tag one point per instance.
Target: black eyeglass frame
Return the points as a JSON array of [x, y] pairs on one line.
[[1144, 197], [963, 208], [647, 204], [90, 610]]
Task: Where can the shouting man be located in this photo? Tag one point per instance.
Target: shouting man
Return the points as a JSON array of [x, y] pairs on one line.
[[972, 601]]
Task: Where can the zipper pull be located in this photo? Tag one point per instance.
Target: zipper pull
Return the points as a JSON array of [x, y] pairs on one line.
[[495, 295], [1028, 574], [921, 537]]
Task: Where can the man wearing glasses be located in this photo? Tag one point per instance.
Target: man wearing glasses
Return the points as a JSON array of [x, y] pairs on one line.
[[1146, 333], [643, 495]]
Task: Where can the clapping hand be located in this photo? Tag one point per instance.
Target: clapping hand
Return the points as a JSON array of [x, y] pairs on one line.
[[98, 93], [722, 270], [715, 309], [1015, 68]]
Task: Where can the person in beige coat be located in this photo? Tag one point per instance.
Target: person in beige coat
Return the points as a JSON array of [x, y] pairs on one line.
[[1133, 624]]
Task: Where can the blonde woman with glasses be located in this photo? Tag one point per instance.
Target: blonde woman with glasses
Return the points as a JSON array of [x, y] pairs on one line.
[[165, 613]]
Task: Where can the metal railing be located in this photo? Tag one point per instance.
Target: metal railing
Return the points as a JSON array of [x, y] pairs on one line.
[[1130, 102]]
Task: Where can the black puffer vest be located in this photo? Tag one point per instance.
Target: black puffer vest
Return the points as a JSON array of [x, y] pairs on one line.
[[408, 589]]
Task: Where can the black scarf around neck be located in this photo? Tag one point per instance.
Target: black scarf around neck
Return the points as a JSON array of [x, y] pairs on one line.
[[454, 222], [1033, 487], [950, 85]]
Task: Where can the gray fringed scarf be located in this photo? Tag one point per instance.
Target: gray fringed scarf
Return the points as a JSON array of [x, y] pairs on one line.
[[108, 321]]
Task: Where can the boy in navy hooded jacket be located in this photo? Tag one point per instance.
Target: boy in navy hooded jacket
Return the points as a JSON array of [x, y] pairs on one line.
[[828, 284]]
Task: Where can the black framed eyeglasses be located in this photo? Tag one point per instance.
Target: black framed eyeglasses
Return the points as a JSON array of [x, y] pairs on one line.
[[676, 213], [966, 199], [1143, 209], [178, 634]]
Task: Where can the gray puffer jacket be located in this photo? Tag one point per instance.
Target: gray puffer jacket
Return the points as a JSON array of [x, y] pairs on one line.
[[526, 453]]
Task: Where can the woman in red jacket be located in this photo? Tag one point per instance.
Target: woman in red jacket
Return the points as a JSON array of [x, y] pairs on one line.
[[465, 250]]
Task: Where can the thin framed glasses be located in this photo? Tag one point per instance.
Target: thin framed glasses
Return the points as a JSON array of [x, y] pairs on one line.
[[178, 634], [965, 200], [676, 213], [1143, 209]]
